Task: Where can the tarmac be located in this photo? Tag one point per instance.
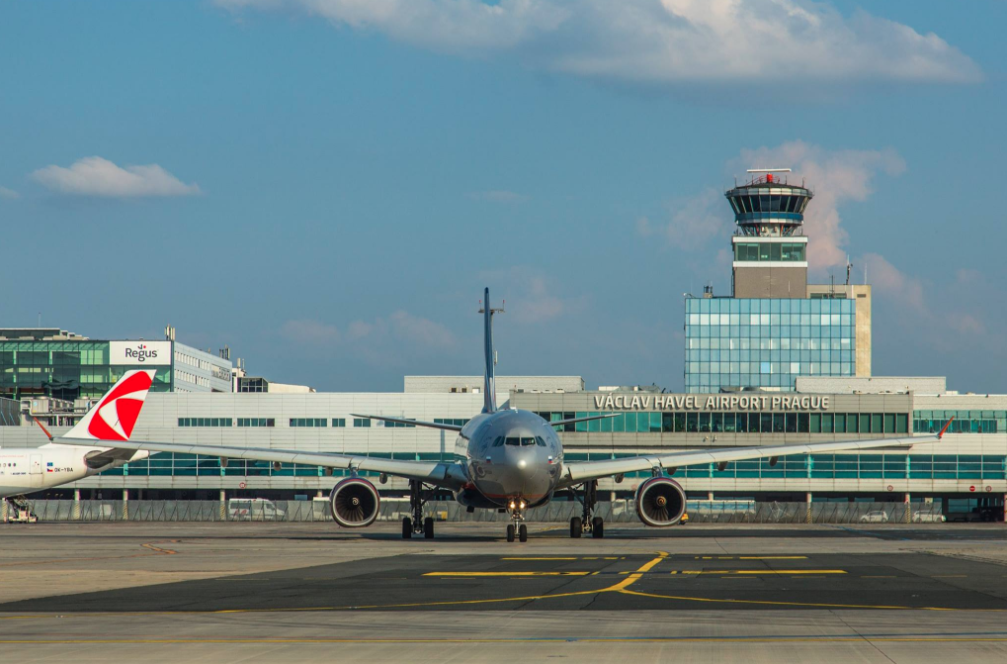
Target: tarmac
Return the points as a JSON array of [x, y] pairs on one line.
[[169, 592]]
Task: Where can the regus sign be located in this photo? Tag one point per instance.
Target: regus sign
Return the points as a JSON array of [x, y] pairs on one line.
[[139, 352]]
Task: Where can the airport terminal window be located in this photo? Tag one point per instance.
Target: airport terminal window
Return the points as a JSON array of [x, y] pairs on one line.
[[205, 422], [966, 421], [256, 422], [398, 425], [361, 422], [308, 422], [458, 422], [749, 422], [339, 422]]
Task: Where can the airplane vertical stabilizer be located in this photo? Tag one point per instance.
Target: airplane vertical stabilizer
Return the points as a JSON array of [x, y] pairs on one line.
[[489, 384]]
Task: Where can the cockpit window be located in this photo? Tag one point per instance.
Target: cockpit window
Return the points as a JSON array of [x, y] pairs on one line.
[[527, 441], [498, 442], [540, 441], [514, 441]]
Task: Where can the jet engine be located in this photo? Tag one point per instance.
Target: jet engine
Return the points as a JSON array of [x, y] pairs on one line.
[[660, 502], [354, 503]]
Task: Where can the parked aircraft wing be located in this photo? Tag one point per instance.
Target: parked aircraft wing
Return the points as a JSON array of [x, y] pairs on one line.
[[575, 473], [449, 475], [401, 420]]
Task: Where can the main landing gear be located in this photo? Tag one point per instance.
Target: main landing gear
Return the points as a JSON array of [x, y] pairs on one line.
[[417, 524], [515, 527], [587, 522]]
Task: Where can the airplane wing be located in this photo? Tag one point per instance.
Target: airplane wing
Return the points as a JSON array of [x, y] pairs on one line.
[[576, 473], [415, 423], [448, 475], [574, 420]]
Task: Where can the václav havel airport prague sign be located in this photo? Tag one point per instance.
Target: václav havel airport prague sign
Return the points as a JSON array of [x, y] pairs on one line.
[[712, 402]]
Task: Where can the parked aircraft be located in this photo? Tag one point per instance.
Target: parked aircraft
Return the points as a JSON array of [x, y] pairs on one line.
[[505, 459]]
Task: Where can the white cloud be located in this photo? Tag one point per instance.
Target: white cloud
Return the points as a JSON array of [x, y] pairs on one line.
[[498, 196], [532, 294], [310, 332], [94, 176], [693, 222], [835, 177], [891, 282], [383, 341], [659, 41], [9, 194], [422, 331]]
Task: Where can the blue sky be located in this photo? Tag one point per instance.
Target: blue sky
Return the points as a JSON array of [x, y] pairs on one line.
[[327, 186]]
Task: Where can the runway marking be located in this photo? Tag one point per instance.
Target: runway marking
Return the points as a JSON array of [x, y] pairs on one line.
[[478, 574], [765, 571], [750, 558], [823, 605], [559, 558]]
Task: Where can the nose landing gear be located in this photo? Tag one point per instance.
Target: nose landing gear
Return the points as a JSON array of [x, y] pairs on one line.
[[515, 527], [587, 522], [417, 524]]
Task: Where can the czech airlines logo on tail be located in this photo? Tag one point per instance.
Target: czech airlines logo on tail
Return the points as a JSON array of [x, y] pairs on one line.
[[114, 417]]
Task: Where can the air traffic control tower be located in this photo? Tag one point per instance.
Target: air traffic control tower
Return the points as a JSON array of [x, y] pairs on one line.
[[774, 326], [769, 248]]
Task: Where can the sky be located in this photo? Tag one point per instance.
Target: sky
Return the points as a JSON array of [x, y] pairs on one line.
[[326, 186]]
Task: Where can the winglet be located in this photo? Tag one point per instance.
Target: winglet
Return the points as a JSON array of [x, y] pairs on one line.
[[42, 427], [946, 425]]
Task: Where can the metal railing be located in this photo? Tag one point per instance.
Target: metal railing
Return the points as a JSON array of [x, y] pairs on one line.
[[618, 511]]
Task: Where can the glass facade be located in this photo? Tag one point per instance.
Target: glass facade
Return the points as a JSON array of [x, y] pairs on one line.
[[966, 421], [63, 370], [826, 467], [733, 342], [737, 422]]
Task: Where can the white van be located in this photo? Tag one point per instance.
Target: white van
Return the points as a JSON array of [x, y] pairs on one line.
[[254, 509]]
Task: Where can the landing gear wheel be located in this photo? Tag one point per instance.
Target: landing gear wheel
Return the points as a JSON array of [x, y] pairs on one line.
[[428, 528], [597, 527], [510, 532], [576, 527], [522, 533], [407, 528]]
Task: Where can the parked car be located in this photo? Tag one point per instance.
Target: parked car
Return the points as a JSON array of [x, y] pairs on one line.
[[254, 509], [876, 516]]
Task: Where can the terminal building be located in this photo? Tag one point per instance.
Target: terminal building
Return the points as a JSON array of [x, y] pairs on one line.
[[780, 361]]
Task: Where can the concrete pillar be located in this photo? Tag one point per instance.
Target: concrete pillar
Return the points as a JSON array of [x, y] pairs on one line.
[[807, 514], [75, 515], [320, 493], [3, 510], [125, 504], [223, 505], [908, 518], [709, 495]]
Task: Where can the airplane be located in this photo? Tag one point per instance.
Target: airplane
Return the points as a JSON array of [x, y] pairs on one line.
[[30, 469], [507, 459]]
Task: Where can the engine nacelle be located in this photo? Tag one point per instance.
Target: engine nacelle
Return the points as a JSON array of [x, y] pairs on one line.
[[354, 503], [660, 502]]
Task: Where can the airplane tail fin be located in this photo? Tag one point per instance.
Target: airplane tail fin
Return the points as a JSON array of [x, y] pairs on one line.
[[489, 382], [114, 416]]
